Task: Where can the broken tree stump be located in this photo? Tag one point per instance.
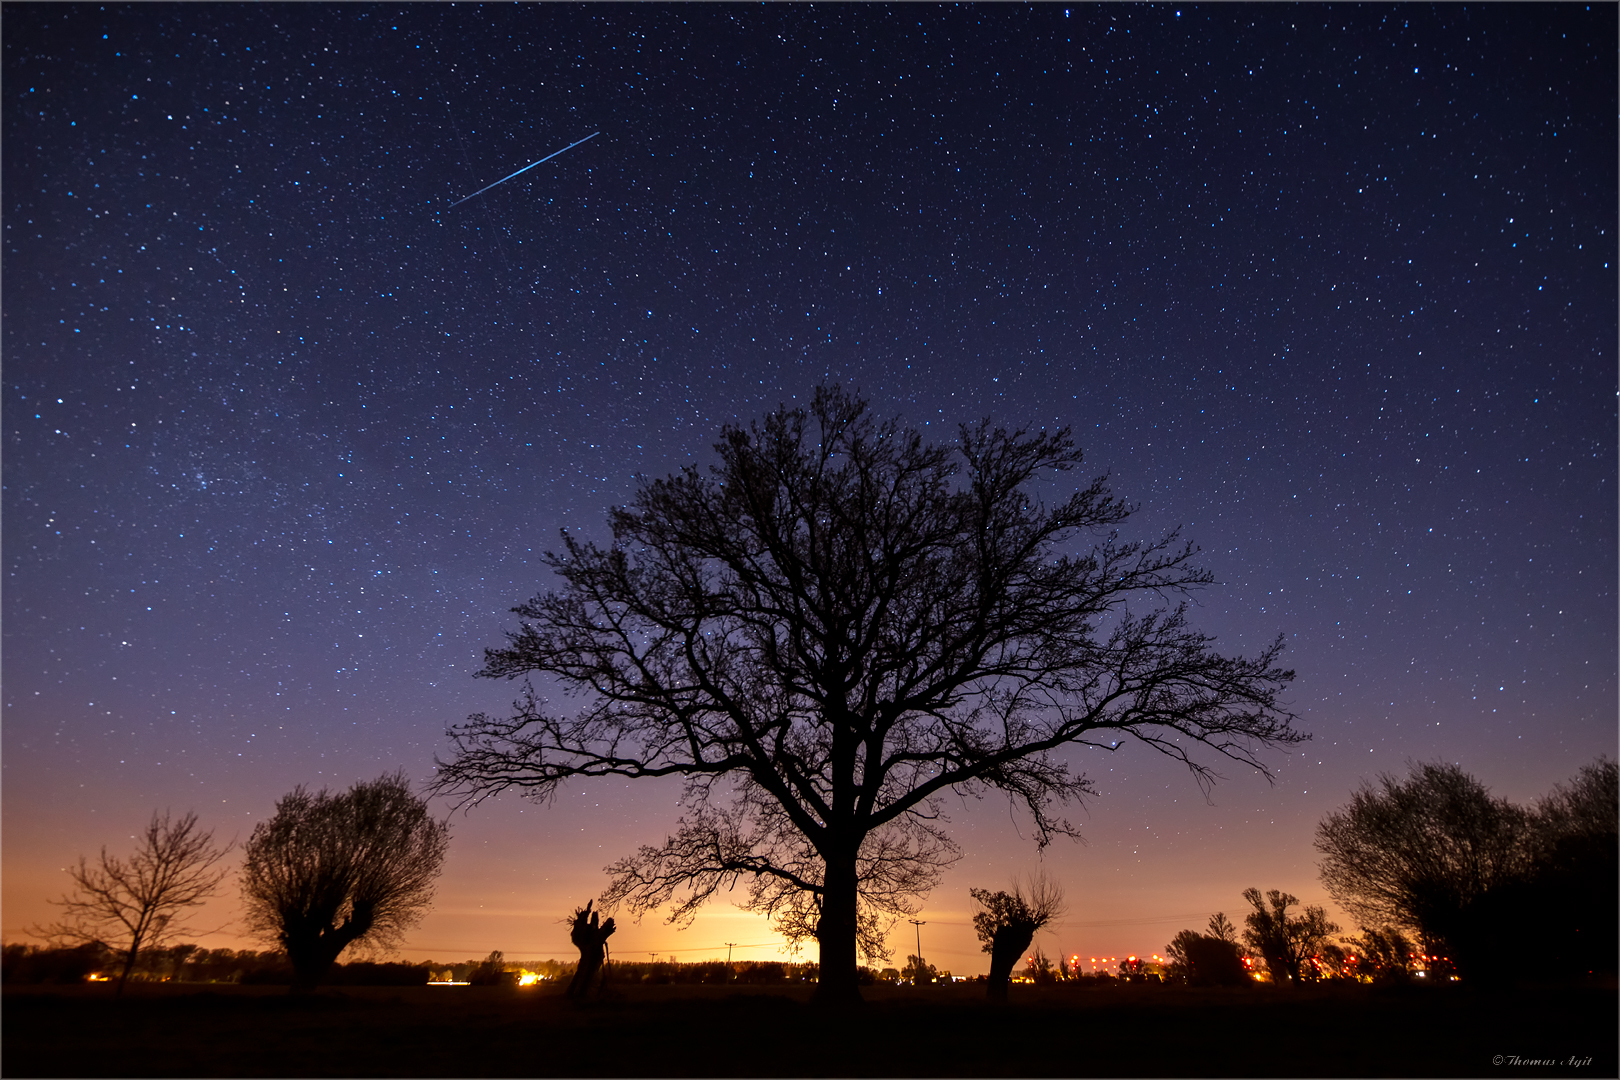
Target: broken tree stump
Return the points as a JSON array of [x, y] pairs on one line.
[[590, 938]]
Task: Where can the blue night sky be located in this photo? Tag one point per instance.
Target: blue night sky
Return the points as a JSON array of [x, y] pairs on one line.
[[286, 432]]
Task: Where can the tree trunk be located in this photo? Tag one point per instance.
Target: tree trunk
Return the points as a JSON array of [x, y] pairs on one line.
[[839, 980], [312, 959], [1006, 947], [1283, 972], [313, 950], [129, 965], [590, 963]]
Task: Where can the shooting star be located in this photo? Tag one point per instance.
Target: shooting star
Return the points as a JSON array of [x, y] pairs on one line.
[[525, 169]]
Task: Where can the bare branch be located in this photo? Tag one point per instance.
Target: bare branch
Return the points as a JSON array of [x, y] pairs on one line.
[[138, 901]]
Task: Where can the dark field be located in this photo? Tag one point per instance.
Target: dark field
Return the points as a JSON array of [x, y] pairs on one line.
[[195, 1030]]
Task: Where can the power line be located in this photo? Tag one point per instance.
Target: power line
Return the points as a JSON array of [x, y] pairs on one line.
[[917, 970], [1136, 921]]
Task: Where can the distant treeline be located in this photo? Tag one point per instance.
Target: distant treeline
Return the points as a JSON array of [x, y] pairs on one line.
[[496, 969], [20, 963], [189, 963]]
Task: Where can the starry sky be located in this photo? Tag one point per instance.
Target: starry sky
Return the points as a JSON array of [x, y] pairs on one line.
[[286, 433]]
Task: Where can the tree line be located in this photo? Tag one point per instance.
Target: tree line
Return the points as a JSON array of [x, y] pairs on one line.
[[1467, 874], [1445, 878], [28, 963]]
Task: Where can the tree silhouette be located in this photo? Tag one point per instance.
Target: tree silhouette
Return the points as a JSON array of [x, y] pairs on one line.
[[490, 971], [1041, 970], [918, 971], [1421, 853], [1573, 887], [1285, 941], [589, 935], [1437, 854], [836, 627], [135, 902], [1568, 887], [1385, 954], [1210, 959], [1006, 924], [330, 871]]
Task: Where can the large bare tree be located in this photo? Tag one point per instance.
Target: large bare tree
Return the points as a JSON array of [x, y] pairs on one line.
[[833, 628], [137, 902]]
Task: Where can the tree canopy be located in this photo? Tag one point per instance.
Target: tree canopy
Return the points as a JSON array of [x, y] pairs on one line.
[[1285, 941], [1210, 959], [1006, 923], [1417, 852], [329, 871], [1438, 854], [833, 628]]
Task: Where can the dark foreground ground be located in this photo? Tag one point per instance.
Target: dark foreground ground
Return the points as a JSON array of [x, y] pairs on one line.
[[170, 1030]]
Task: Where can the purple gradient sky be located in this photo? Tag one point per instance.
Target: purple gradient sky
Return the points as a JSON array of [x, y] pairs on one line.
[[285, 434]]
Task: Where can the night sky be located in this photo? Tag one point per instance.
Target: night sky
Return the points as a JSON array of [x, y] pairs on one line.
[[286, 434]]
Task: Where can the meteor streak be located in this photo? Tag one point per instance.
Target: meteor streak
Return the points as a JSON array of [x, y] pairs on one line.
[[525, 169]]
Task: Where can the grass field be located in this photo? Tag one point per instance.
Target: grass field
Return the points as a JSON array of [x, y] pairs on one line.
[[1344, 1030]]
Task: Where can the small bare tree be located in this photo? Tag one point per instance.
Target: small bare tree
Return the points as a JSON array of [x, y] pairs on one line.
[[136, 902], [329, 871], [1211, 959], [1007, 922], [1286, 941]]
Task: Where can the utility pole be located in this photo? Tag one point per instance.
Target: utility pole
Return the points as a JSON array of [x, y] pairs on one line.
[[917, 971], [729, 944]]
